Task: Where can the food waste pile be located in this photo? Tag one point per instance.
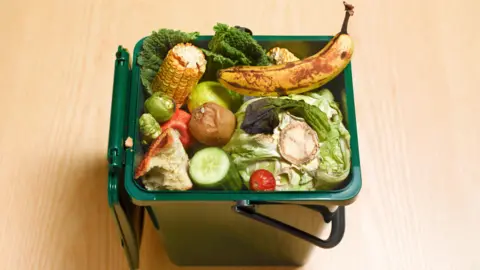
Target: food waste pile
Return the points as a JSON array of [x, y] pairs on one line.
[[238, 116]]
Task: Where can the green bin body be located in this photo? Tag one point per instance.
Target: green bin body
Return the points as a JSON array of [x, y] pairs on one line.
[[224, 228]]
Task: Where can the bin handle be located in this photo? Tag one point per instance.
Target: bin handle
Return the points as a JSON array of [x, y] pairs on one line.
[[336, 234]]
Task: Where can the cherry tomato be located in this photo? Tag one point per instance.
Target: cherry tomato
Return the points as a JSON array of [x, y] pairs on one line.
[[262, 180]]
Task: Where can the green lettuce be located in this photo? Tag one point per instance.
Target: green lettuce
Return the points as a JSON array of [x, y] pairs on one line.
[[330, 167], [245, 148]]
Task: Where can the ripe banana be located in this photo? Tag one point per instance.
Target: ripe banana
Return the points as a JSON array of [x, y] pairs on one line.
[[293, 77]]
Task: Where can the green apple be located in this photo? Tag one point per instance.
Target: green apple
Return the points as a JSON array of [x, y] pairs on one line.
[[212, 91]]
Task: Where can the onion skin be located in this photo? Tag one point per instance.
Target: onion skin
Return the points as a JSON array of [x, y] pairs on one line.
[[212, 124]]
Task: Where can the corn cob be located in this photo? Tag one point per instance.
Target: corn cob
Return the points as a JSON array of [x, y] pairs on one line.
[[179, 72], [281, 56]]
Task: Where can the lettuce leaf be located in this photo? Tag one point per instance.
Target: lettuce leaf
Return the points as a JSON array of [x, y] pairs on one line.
[[245, 148]]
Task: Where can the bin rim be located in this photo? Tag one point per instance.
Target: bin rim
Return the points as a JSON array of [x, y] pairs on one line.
[[344, 196]]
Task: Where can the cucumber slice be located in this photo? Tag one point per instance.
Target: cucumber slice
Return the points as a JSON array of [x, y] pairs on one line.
[[211, 167]]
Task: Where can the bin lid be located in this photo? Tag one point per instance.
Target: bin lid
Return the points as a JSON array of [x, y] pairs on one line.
[[127, 216]]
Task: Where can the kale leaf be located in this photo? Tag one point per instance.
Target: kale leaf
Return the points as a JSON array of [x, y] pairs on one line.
[[215, 62], [237, 45]]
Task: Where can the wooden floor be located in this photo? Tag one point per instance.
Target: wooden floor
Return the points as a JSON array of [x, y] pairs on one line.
[[417, 84]]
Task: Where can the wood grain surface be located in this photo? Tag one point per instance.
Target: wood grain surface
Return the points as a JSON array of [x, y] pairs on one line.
[[416, 80]]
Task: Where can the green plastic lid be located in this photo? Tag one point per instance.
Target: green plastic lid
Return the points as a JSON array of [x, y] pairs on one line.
[[128, 216]]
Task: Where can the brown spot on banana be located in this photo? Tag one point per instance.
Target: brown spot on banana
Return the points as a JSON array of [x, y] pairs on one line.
[[289, 65], [300, 74], [322, 67], [257, 79], [281, 92]]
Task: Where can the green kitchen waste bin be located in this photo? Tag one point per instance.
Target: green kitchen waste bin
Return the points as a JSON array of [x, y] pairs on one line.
[[213, 228]]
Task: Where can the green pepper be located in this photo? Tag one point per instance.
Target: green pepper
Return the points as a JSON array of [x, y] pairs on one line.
[[160, 106]]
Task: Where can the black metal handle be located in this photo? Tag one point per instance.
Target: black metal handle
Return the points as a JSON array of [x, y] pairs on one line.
[[336, 233]]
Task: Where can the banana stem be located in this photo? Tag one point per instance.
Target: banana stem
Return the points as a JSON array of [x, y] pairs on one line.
[[348, 14]]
